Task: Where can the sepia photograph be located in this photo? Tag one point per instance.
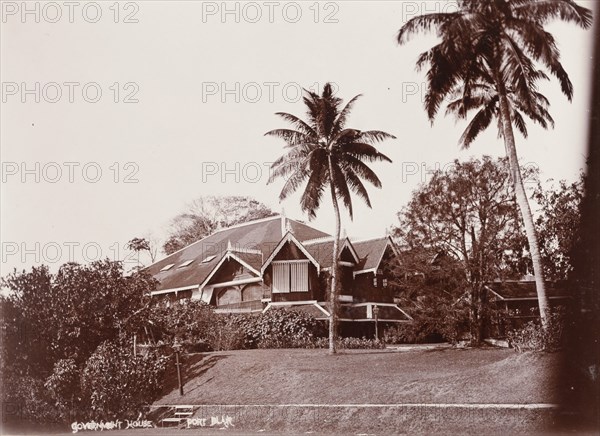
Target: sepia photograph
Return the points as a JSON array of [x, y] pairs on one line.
[[300, 217]]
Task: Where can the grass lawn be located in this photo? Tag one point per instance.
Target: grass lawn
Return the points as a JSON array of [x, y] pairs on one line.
[[299, 376], [431, 391], [370, 391]]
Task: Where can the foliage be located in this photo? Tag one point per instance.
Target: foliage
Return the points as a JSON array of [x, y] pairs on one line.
[[25, 399], [53, 323], [532, 337], [143, 244], [558, 225], [344, 343], [120, 384], [195, 325], [277, 328], [70, 313], [441, 322], [209, 213], [491, 58], [490, 49], [189, 322], [63, 386], [459, 230]]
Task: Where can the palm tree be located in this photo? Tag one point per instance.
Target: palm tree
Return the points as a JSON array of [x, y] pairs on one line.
[[488, 56], [323, 152]]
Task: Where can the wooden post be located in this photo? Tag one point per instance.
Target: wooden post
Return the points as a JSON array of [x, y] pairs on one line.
[[376, 313], [178, 364]]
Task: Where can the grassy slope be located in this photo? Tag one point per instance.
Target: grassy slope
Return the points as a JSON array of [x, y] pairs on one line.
[[366, 377]]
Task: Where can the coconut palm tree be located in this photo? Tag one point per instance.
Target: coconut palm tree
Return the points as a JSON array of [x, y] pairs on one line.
[[324, 153], [489, 52]]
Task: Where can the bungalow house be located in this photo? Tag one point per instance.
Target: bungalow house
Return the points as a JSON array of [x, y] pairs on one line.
[[516, 303], [278, 262]]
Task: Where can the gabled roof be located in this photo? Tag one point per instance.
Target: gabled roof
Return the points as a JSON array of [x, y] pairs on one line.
[[289, 238], [246, 241], [525, 290], [371, 253], [322, 250]]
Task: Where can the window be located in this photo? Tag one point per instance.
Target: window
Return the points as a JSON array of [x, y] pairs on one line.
[[208, 258], [290, 276], [167, 267], [385, 283], [186, 263], [375, 282]]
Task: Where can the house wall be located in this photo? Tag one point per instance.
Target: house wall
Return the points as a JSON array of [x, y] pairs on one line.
[[365, 290]]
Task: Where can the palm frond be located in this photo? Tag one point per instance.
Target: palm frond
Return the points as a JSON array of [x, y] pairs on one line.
[[341, 186], [364, 152], [423, 23], [362, 170], [480, 122], [357, 186], [546, 10], [371, 136], [297, 123]]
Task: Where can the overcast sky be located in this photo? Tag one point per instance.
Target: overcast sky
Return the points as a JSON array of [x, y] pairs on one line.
[[202, 86]]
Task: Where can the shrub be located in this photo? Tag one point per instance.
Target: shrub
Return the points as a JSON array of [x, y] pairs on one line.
[[349, 343], [189, 322], [276, 328], [532, 337], [25, 400], [115, 382], [63, 386]]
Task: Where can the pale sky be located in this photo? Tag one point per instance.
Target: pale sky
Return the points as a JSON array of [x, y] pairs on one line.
[[186, 64]]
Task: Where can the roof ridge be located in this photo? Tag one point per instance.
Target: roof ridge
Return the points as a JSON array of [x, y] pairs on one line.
[[247, 223], [317, 240], [307, 225], [356, 241], [244, 250]]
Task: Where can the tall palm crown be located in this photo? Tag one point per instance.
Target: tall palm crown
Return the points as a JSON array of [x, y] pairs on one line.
[[488, 60], [494, 40], [321, 140], [323, 152]]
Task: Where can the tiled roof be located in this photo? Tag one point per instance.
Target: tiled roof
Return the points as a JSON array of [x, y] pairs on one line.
[[526, 289], [262, 235], [370, 252], [255, 260], [322, 251]]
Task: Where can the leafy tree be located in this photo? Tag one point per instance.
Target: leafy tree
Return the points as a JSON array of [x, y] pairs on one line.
[[143, 244], [53, 323], [558, 225], [469, 213], [210, 213], [487, 62], [188, 322], [324, 153], [431, 286]]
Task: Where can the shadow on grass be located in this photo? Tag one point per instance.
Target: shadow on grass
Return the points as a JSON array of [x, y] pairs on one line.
[[192, 366]]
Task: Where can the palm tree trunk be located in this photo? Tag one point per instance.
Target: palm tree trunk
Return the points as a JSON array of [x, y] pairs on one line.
[[521, 197], [333, 296]]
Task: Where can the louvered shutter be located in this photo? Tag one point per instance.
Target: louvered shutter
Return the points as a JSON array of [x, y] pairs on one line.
[[299, 277], [281, 277]]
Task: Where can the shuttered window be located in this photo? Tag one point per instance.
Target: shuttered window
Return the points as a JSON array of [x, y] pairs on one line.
[[299, 277], [281, 277], [290, 276]]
